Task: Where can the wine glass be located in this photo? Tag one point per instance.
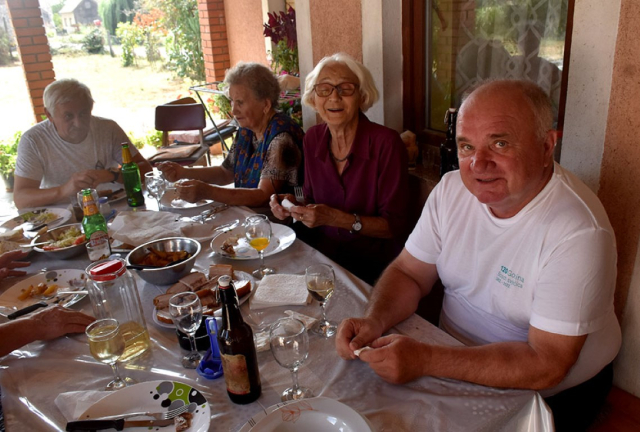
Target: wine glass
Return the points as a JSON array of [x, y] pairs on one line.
[[321, 282], [156, 185], [107, 345], [258, 233], [289, 343], [186, 313]]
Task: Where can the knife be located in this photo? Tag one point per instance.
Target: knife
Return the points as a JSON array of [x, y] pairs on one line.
[[89, 425], [55, 300]]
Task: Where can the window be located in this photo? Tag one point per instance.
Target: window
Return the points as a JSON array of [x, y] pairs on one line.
[[450, 45]]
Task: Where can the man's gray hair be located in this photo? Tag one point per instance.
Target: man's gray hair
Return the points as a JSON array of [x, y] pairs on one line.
[[366, 85], [65, 90], [538, 100], [258, 78]]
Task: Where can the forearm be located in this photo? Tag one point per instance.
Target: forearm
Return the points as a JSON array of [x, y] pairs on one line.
[[372, 226], [238, 196], [15, 334], [505, 364], [211, 175], [36, 197]]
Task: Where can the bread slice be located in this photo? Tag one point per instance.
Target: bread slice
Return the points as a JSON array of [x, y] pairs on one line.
[[217, 270]]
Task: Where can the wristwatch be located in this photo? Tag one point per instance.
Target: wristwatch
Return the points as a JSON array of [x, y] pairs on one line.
[[357, 225]]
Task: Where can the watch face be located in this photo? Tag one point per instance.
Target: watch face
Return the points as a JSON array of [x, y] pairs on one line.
[[357, 226]]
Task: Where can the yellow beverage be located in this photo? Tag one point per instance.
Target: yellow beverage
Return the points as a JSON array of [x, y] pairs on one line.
[[320, 289], [259, 243], [103, 348], [136, 340]]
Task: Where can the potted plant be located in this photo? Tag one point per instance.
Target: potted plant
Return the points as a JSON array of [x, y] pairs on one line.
[[8, 156], [281, 28]]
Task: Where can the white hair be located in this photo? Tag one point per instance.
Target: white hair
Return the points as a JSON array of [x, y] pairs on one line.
[[366, 85], [65, 90]]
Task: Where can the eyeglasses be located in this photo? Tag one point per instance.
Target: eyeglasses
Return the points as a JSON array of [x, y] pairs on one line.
[[343, 89]]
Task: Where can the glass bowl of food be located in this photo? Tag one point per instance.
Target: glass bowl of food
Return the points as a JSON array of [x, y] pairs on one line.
[[63, 242]]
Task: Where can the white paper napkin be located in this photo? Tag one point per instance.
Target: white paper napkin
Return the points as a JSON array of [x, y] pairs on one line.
[[73, 404], [280, 290], [136, 228]]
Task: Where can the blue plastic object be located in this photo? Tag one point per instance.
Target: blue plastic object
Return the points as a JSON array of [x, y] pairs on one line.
[[210, 366]]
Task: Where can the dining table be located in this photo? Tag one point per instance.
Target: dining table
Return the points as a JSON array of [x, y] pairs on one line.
[[33, 377]]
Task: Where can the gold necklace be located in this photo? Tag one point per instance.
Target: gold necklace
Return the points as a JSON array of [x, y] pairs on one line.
[[334, 156]]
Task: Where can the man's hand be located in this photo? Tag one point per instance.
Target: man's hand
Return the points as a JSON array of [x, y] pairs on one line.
[[56, 321], [355, 333], [192, 190], [397, 359], [80, 180], [9, 261], [315, 215], [172, 171]]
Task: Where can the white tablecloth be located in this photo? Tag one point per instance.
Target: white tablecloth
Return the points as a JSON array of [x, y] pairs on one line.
[[32, 377]]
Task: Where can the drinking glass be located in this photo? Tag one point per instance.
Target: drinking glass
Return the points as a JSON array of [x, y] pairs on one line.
[[107, 345], [186, 313], [258, 233], [156, 185], [321, 282], [289, 343]]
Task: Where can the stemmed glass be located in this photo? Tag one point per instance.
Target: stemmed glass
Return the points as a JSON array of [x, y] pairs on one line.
[[321, 282], [186, 312], [156, 185], [258, 233], [289, 343], [107, 345]]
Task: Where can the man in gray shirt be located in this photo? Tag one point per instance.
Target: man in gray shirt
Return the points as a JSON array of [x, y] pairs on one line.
[[70, 151]]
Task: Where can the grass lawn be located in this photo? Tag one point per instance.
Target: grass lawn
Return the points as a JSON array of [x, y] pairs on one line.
[[126, 95]]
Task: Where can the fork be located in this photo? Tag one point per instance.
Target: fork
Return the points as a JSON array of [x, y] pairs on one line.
[[297, 190], [166, 415]]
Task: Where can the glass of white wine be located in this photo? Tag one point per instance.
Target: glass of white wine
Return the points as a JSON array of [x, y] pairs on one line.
[[107, 345], [321, 282], [186, 312], [289, 344], [156, 185], [258, 233]]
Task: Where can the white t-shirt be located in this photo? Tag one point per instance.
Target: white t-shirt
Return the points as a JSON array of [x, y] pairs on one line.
[[551, 266], [44, 156]]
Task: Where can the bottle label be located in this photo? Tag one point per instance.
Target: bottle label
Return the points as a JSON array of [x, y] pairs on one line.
[[236, 374], [99, 238]]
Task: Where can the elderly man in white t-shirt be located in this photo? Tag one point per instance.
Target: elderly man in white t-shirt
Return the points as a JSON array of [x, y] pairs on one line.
[[70, 151], [527, 257]]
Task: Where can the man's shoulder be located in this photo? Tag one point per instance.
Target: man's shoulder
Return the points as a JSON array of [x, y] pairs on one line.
[[39, 133], [103, 122]]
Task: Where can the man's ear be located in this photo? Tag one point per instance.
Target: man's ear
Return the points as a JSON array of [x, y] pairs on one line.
[[550, 141], [48, 114]]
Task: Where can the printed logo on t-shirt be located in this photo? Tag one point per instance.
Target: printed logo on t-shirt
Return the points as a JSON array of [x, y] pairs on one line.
[[508, 278]]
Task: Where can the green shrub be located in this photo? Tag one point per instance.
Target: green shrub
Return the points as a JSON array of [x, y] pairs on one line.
[[130, 36], [152, 138], [93, 43], [9, 154], [5, 48]]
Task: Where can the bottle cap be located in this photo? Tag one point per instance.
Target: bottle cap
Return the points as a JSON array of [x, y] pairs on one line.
[[107, 270], [224, 281]]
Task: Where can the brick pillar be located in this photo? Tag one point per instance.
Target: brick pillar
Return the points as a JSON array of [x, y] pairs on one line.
[[33, 47], [215, 47]]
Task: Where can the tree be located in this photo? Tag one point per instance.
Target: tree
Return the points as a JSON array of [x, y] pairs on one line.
[[113, 12]]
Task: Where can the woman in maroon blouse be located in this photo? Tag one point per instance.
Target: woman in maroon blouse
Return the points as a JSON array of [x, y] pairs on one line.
[[355, 173]]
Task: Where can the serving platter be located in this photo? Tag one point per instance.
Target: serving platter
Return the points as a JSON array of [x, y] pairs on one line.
[[281, 238], [154, 396], [315, 414]]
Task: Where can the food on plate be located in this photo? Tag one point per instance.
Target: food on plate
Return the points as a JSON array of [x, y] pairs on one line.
[[159, 258], [12, 235], [205, 287], [39, 217], [6, 246], [183, 421], [69, 237], [40, 290], [229, 243]]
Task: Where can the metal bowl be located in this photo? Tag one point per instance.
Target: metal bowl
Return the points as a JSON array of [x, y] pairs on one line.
[[62, 253], [172, 273]]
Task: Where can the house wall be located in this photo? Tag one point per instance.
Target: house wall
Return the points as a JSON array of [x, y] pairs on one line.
[[244, 31]]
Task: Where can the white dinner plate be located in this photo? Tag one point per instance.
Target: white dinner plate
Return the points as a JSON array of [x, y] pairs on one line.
[[63, 215], [75, 279], [113, 187], [154, 396], [316, 414], [238, 276], [281, 238], [171, 201]]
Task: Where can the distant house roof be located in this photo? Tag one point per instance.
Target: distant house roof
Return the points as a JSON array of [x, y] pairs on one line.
[[70, 6]]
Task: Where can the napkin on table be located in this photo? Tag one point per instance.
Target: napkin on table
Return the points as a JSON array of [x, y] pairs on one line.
[[280, 290], [136, 228]]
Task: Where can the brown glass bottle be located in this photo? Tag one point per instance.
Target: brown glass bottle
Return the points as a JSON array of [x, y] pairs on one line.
[[237, 351]]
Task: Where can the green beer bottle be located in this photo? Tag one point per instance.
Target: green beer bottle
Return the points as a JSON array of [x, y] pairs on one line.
[[94, 225], [131, 178]]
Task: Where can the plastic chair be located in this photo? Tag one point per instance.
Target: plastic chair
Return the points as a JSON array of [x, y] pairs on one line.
[[182, 114]]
